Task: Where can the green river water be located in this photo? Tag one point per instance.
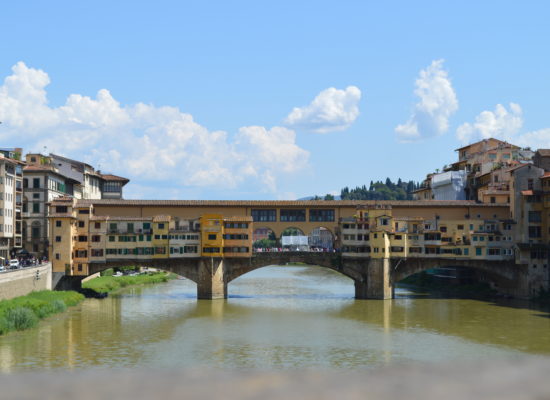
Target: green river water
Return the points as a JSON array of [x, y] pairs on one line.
[[275, 318]]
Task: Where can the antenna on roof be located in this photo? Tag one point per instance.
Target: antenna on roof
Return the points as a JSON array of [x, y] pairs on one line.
[[45, 150]]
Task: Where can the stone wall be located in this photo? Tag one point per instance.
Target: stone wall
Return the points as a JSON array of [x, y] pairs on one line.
[[23, 281]]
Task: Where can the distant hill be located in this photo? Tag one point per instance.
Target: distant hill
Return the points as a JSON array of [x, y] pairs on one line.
[[378, 190]]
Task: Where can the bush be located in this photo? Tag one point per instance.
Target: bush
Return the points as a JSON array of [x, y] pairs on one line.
[[25, 311], [21, 318], [106, 284]]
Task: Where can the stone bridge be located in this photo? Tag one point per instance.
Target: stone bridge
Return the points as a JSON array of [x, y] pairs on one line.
[[374, 278]]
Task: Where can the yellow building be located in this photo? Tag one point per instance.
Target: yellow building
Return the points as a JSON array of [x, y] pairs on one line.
[[212, 235]]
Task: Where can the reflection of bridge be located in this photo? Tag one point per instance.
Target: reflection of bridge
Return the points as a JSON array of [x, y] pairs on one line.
[[374, 278]]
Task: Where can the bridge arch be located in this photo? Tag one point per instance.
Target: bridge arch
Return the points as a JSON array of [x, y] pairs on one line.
[[327, 260], [505, 275]]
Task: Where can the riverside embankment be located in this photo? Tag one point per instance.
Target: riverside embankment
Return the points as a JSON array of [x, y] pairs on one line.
[[20, 282]]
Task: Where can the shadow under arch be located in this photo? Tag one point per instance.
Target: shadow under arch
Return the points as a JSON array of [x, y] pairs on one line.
[[504, 275]]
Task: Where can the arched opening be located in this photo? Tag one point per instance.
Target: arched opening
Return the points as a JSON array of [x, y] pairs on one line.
[[321, 239], [454, 281], [279, 283], [294, 239], [264, 239]]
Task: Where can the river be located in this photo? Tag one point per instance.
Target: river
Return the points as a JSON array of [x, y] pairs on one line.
[[275, 318]]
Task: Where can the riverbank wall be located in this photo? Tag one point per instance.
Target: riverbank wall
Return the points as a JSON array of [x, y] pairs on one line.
[[24, 281]]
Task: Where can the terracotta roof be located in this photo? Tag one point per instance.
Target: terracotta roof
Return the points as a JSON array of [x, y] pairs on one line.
[[284, 203], [519, 166], [61, 215], [99, 218], [110, 177], [30, 168], [64, 199], [544, 152], [487, 140], [119, 218], [546, 175], [527, 192], [239, 219]]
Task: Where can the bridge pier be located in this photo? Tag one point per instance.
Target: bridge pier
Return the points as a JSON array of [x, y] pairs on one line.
[[211, 283], [377, 283]]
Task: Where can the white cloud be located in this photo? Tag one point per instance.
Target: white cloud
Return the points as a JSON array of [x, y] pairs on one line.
[[501, 124], [505, 125], [332, 110], [142, 141], [539, 139], [437, 103]]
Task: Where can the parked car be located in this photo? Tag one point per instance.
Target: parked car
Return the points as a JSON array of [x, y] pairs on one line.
[[14, 264]]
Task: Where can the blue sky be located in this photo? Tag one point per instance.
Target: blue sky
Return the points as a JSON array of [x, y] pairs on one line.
[[279, 100]]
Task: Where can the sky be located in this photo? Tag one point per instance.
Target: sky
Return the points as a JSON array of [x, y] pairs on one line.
[[270, 100]]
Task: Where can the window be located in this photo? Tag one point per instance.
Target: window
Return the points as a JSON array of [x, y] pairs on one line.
[[84, 211], [35, 207], [535, 232], [443, 229], [321, 215], [81, 224], [36, 183], [130, 227], [81, 253], [210, 249], [161, 226], [493, 200], [212, 237], [466, 251], [97, 252], [58, 239], [97, 225], [293, 215], [96, 238], [535, 216], [146, 225], [264, 215], [35, 232], [36, 195], [83, 238], [160, 250], [57, 256], [111, 238], [58, 224], [530, 184]]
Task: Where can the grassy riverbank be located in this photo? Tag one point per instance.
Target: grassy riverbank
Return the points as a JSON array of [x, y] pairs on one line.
[[107, 284], [428, 282], [24, 312]]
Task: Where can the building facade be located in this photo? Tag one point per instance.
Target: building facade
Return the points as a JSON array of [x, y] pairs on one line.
[[11, 202]]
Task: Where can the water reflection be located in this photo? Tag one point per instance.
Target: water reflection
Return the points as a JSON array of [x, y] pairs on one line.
[[291, 317]]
